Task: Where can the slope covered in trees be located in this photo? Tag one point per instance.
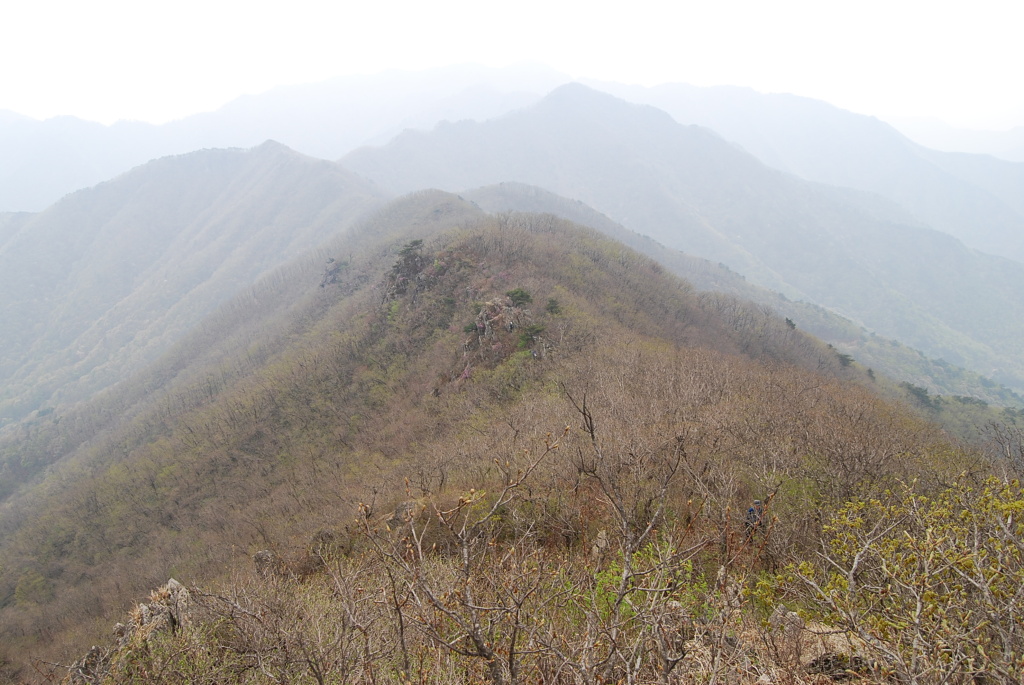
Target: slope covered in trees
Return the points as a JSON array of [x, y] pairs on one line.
[[873, 352], [852, 252], [105, 280], [426, 361]]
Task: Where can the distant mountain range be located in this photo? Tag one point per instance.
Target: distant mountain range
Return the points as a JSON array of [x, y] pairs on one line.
[[938, 135], [104, 280], [976, 198], [40, 161], [854, 252]]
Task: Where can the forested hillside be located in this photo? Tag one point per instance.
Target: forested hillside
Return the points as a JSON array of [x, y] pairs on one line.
[[888, 356], [104, 281], [855, 253], [467, 447]]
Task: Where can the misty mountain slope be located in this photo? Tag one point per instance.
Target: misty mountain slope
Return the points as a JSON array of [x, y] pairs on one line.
[[10, 223], [397, 363], [40, 161], [976, 198], [104, 280], [887, 356], [330, 118], [578, 144], [938, 135], [689, 189], [241, 334], [1003, 179]]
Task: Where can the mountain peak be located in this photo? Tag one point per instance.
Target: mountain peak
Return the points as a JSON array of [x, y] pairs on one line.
[[581, 103], [271, 146], [578, 94]]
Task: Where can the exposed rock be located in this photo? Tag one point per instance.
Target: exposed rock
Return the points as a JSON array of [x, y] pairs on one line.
[[267, 563], [784, 621], [91, 668], [495, 329], [167, 610], [840, 666]]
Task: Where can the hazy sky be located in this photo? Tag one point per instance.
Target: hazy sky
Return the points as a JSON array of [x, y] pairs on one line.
[[138, 59]]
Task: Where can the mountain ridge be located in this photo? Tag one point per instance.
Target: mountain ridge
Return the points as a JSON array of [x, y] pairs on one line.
[[41, 161], [887, 356], [689, 189], [975, 198], [447, 339], [123, 267]]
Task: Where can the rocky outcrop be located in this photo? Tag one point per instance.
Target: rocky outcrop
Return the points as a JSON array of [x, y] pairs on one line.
[[91, 668], [785, 622], [166, 611], [267, 563], [841, 667]]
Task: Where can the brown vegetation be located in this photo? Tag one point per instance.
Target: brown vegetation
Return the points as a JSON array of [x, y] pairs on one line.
[[580, 475]]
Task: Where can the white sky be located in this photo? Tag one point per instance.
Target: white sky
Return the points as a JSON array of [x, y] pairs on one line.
[[154, 61]]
